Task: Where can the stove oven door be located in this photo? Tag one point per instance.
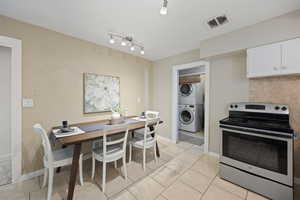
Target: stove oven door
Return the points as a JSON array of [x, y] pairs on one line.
[[263, 155]]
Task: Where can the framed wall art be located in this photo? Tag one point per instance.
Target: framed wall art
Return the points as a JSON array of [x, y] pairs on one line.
[[101, 93]]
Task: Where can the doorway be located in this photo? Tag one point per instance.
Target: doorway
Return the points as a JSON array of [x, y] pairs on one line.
[[190, 103], [11, 111], [5, 120]]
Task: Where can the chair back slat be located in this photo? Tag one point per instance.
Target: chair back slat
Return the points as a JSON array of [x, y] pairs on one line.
[[45, 142], [108, 141], [150, 132], [115, 142], [154, 122]]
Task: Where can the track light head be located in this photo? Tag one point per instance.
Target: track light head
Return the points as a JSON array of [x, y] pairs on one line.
[[111, 39], [142, 51], [123, 42], [132, 47], [164, 8]]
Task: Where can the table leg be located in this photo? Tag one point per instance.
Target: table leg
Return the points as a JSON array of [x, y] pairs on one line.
[[74, 170], [157, 149]]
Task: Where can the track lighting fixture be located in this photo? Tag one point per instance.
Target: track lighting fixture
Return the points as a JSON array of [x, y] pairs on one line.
[[111, 40], [132, 48], [126, 40], [123, 42], [142, 51]]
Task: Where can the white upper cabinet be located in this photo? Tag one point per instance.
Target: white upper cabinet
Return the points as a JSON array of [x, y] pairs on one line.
[[290, 57], [264, 61], [274, 59]]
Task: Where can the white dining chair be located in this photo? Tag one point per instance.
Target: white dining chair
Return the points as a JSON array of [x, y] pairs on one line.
[[145, 141], [53, 159], [149, 115], [110, 149]]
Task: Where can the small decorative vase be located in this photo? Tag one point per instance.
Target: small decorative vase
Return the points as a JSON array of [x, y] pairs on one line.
[[115, 115]]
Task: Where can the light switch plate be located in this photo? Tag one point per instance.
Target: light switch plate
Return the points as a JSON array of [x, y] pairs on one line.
[[28, 103], [138, 100]]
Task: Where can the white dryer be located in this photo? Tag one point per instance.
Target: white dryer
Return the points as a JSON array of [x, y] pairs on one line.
[[191, 117], [191, 93]]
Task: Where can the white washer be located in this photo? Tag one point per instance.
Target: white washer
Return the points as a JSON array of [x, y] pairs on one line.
[[190, 117], [191, 93]]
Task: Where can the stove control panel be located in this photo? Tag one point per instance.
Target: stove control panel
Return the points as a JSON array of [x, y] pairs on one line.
[[259, 107]]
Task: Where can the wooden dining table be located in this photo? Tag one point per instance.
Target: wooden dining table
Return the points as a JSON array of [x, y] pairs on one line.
[[93, 130]]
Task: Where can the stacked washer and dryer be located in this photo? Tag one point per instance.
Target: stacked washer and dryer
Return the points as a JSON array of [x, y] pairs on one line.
[[191, 106]]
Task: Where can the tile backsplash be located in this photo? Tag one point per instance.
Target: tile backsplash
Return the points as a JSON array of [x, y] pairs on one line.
[[283, 90]]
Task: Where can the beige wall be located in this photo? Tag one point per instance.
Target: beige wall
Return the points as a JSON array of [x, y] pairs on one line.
[[223, 90], [162, 86], [53, 67], [277, 29], [285, 90], [228, 83]]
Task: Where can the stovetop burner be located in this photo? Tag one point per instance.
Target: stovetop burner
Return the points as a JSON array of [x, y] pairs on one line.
[[258, 124], [261, 116]]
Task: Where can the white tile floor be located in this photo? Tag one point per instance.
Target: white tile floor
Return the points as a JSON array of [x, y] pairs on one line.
[[183, 172]]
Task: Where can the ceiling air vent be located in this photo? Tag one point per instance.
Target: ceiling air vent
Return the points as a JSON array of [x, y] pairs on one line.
[[212, 23], [217, 21], [222, 19]]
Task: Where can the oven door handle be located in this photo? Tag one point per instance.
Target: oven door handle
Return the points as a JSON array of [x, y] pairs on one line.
[[257, 135]]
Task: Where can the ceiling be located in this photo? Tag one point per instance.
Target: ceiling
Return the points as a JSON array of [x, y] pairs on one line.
[[179, 31]]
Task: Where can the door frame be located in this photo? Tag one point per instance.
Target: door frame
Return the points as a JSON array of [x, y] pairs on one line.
[[174, 104], [16, 108]]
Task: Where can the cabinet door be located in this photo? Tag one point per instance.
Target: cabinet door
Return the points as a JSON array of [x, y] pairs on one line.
[[264, 61], [291, 57]]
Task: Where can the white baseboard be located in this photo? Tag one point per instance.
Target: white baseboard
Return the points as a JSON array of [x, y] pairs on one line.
[[40, 172], [165, 139], [214, 154], [31, 175]]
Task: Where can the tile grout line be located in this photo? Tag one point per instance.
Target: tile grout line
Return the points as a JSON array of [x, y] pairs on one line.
[[190, 168], [167, 187], [138, 180], [202, 194], [209, 185], [157, 170], [149, 176], [132, 194], [126, 188]]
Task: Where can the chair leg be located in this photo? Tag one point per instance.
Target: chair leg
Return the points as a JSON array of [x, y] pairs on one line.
[[130, 152], [116, 164], [125, 167], [93, 166], [80, 169], [103, 176], [45, 177], [50, 183], [144, 159], [155, 156]]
